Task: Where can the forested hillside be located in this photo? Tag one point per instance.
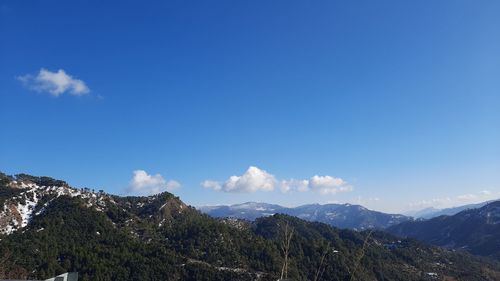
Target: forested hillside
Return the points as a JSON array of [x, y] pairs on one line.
[[106, 237]]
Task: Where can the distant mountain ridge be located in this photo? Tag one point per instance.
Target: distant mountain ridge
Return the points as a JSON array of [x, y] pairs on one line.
[[339, 215], [429, 213], [475, 230]]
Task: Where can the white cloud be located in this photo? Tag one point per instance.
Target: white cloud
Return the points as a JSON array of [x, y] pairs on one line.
[[294, 185], [215, 185], [144, 184], [485, 192], [320, 184], [54, 83], [467, 197], [328, 184], [254, 179]]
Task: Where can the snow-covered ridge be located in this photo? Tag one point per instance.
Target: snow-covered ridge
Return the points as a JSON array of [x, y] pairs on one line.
[[18, 210], [24, 197]]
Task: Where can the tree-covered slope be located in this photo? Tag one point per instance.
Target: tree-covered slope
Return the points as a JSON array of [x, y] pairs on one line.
[[72, 237], [369, 255], [106, 237]]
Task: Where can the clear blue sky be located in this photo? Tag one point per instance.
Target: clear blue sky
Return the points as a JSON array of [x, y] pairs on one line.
[[400, 99]]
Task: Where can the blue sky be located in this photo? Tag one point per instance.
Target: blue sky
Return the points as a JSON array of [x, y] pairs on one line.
[[391, 104]]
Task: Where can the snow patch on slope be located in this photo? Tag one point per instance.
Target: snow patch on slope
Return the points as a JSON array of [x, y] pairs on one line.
[[19, 210]]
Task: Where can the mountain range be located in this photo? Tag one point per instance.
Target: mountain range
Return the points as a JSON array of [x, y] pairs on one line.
[[475, 230], [48, 227], [431, 212], [339, 215]]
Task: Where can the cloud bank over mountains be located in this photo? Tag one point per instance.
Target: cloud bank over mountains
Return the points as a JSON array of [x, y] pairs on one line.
[[255, 179]]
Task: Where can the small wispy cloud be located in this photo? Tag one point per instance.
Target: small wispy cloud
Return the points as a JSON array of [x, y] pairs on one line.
[[54, 83], [255, 179], [143, 183], [453, 201]]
